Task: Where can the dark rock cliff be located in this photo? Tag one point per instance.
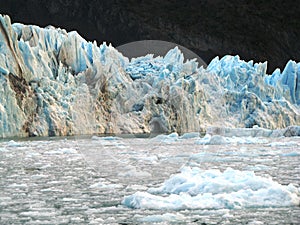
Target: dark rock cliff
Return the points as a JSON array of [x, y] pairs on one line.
[[259, 30]]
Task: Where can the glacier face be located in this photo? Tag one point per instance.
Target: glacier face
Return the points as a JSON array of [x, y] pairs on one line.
[[56, 83]]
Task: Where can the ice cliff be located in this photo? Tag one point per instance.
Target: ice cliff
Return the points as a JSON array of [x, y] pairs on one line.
[[56, 83]]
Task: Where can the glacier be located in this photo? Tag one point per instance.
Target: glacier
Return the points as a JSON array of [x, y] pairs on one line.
[[194, 188], [55, 83]]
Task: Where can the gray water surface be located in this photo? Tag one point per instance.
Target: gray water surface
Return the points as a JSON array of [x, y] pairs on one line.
[[83, 181]]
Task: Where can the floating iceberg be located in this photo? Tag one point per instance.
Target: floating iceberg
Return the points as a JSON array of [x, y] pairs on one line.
[[56, 83], [194, 188]]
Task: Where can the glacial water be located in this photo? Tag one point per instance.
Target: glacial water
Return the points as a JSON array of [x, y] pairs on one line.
[[84, 180]]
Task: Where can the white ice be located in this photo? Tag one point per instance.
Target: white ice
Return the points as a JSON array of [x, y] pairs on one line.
[[60, 151], [166, 217], [131, 171], [104, 184], [283, 143], [220, 140], [194, 188], [77, 85]]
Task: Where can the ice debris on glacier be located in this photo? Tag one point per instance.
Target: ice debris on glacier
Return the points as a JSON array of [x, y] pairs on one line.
[[56, 83], [194, 188]]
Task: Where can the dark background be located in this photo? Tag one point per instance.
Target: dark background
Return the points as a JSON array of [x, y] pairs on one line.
[[258, 30]]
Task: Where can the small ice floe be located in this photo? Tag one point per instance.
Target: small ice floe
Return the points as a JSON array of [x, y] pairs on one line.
[[53, 152], [39, 176], [283, 144], [32, 154], [212, 140], [3, 149], [68, 150], [108, 138], [38, 214], [45, 166], [167, 217], [5, 201], [52, 190], [221, 140], [151, 159], [291, 154], [173, 137], [255, 131], [15, 185], [61, 151], [110, 141], [258, 168], [14, 144], [190, 135], [247, 140], [136, 187], [255, 222], [131, 171], [194, 188], [204, 157], [97, 221], [102, 184]]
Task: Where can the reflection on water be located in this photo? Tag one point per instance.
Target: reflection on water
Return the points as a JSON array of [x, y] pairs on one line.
[[83, 180]]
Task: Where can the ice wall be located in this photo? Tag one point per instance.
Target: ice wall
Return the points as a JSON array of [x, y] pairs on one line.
[[56, 83]]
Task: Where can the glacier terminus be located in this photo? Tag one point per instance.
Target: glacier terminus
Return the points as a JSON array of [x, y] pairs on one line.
[[55, 83]]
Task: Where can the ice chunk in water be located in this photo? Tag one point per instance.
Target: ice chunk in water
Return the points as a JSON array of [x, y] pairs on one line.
[[13, 143], [102, 184], [221, 140], [167, 217], [212, 140], [190, 135], [194, 188]]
